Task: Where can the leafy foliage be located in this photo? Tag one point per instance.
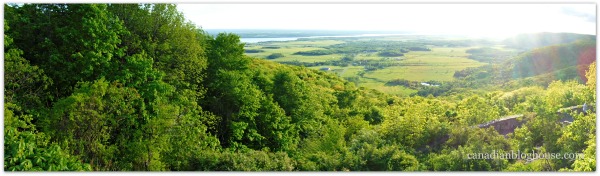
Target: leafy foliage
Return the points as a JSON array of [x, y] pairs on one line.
[[124, 87], [26, 149], [275, 56]]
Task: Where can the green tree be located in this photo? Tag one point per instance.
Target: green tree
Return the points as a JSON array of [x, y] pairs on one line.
[[27, 149], [476, 110], [412, 127], [81, 39], [160, 33], [275, 56], [25, 85], [96, 122], [276, 127], [187, 138], [588, 161], [591, 83]]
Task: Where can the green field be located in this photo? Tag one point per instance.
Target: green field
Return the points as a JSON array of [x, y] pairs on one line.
[[439, 64], [289, 48]]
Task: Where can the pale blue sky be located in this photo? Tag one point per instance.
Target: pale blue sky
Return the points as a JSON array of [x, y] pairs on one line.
[[477, 19]]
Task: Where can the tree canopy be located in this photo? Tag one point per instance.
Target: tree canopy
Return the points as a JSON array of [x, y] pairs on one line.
[[136, 87]]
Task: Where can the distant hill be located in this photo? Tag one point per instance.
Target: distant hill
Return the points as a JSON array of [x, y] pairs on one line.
[[565, 74], [536, 40], [538, 66], [552, 58], [279, 33]]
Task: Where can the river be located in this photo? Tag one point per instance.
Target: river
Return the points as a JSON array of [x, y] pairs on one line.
[[256, 40]]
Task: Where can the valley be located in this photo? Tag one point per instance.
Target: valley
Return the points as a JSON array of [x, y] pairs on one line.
[[140, 87]]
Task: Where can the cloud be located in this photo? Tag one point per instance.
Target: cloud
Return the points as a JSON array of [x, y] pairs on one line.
[[588, 17]]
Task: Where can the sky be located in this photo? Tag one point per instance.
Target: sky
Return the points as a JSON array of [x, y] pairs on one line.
[[473, 19]]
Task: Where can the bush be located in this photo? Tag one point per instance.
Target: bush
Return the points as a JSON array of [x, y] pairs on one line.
[[390, 53], [417, 48], [314, 53], [246, 161], [254, 51], [270, 47], [403, 82], [402, 161], [275, 56]]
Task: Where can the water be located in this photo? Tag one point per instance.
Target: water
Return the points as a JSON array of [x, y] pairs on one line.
[[256, 40]]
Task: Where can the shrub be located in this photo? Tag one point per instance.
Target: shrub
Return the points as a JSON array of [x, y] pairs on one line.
[[254, 51], [275, 56]]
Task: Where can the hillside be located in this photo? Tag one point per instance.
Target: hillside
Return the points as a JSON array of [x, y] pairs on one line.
[[544, 65], [552, 58], [536, 40]]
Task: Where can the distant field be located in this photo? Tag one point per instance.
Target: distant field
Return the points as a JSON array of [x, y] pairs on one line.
[[416, 73], [370, 56], [397, 90], [312, 43], [288, 48], [439, 64]]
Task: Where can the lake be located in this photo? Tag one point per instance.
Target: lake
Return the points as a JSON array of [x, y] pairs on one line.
[[256, 40]]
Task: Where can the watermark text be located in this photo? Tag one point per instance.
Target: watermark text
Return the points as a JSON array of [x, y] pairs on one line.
[[518, 155]]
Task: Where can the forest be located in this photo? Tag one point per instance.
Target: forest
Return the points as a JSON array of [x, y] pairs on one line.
[[137, 87]]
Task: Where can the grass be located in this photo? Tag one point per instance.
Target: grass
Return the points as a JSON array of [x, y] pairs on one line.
[[371, 56], [438, 64], [416, 73], [345, 72], [290, 47], [308, 58], [352, 71], [397, 90]]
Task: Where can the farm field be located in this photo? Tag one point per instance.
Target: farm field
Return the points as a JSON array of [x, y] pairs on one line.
[[438, 64]]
